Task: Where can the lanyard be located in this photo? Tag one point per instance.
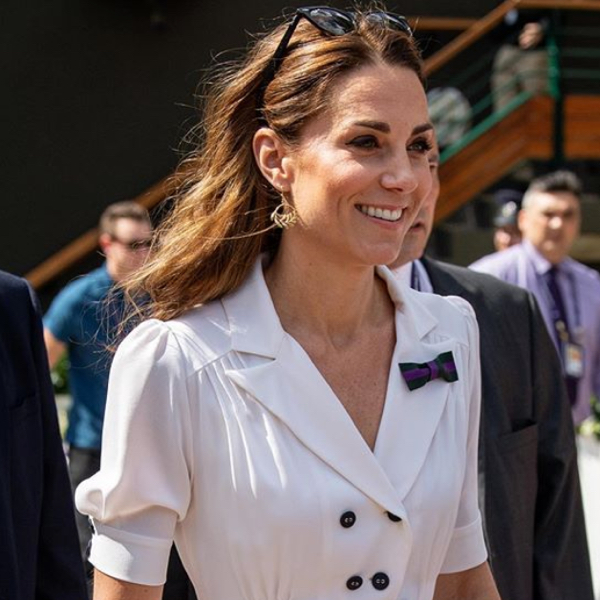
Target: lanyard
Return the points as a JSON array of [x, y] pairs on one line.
[[524, 282], [554, 308], [575, 299]]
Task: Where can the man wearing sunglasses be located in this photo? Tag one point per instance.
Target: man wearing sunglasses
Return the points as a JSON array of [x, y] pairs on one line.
[[82, 321]]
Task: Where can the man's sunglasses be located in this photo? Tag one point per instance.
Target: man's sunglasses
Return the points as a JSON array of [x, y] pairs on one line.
[[134, 245], [329, 20]]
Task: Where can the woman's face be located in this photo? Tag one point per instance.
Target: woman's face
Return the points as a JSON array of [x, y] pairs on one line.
[[360, 172]]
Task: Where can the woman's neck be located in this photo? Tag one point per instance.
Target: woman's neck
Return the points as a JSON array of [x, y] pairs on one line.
[[321, 298]]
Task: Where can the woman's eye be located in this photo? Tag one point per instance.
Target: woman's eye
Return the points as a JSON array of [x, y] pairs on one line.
[[365, 141], [422, 146]]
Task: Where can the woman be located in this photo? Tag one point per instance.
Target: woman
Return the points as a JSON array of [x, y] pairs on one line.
[[260, 417]]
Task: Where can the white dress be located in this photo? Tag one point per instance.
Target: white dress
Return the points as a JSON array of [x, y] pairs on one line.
[[220, 433]]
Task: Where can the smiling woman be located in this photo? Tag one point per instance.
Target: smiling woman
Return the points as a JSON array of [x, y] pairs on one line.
[[353, 167], [263, 415]]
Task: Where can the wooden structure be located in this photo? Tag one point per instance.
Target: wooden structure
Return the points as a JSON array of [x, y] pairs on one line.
[[524, 134]]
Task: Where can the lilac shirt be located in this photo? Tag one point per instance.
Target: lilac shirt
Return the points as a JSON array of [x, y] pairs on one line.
[[579, 285]]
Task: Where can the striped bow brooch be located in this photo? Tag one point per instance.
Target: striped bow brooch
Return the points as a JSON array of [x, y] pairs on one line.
[[417, 375]]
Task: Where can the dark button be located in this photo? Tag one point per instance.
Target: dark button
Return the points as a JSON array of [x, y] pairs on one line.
[[393, 517], [354, 582], [380, 581], [348, 519]]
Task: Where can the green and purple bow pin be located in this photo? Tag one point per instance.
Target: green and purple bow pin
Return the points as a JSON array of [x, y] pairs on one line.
[[417, 375]]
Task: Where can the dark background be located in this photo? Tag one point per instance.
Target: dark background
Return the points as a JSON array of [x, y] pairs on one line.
[[97, 95]]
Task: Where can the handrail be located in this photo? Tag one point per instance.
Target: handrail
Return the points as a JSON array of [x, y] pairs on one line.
[[440, 23], [561, 4], [471, 35], [487, 23], [523, 132]]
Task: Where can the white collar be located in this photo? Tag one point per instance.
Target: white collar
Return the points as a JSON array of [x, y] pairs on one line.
[[256, 327]]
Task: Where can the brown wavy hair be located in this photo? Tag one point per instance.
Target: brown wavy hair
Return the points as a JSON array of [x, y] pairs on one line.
[[220, 222]]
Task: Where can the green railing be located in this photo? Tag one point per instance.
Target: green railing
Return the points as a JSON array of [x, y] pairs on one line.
[[573, 56]]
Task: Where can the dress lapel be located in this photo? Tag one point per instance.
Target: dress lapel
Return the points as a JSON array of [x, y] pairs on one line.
[[289, 385], [411, 418]]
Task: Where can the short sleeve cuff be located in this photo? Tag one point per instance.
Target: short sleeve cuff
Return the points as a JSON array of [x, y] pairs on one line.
[[55, 328], [128, 556], [466, 550]]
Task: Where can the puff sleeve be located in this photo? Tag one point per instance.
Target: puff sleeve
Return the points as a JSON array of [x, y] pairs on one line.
[[143, 486], [467, 546]]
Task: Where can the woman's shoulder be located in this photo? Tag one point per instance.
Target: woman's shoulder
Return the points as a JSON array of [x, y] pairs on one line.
[[454, 316], [440, 305], [196, 338], [458, 303]]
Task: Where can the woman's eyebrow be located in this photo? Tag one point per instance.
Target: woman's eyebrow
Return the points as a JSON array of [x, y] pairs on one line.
[[422, 128], [378, 125], [385, 127]]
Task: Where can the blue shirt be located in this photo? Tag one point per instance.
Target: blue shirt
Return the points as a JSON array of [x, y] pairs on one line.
[[579, 285], [85, 317]]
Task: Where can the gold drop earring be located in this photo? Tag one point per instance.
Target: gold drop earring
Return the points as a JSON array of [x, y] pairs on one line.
[[285, 215]]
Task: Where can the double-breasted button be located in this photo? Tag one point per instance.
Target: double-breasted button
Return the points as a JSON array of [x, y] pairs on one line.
[[380, 581], [348, 519], [354, 582], [393, 517]]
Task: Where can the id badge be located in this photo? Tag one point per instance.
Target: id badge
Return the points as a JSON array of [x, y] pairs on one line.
[[573, 360]]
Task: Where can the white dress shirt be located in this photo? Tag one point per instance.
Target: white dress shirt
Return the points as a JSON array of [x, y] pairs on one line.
[[222, 434]]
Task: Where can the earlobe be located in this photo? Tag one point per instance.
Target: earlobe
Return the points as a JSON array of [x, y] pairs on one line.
[[269, 153], [104, 242]]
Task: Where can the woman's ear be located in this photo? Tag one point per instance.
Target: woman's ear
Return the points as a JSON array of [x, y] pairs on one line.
[[270, 154]]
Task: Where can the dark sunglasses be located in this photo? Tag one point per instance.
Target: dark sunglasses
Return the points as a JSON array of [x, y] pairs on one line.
[[329, 20], [134, 245]]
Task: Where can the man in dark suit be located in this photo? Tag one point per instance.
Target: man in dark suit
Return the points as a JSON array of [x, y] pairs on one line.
[[39, 551], [528, 479]]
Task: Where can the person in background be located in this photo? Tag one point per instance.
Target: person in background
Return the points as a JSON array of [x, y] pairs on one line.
[[506, 228], [521, 62], [82, 321], [567, 291], [270, 413], [39, 551], [529, 488]]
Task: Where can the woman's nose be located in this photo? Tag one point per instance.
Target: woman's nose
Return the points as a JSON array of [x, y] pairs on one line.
[[400, 174]]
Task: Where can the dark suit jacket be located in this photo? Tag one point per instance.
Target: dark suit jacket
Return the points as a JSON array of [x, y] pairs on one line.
[[529, 482], [39, 552]]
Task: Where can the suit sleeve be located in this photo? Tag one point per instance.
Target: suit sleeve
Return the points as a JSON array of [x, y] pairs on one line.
[[561, 560], [59, 567]]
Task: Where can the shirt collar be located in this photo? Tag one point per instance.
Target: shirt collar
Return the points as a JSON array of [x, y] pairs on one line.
[[256, 327], [254, 322], [404, 273], [540, 264]]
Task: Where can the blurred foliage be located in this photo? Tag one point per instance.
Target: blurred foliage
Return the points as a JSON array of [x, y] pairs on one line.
[[591, 426], [60, 377], [596, 417]]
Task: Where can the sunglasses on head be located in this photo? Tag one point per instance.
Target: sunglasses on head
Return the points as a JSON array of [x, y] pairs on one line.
[[332, 21]]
